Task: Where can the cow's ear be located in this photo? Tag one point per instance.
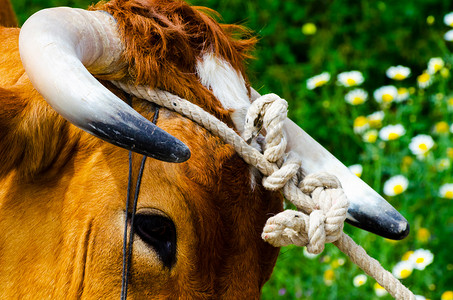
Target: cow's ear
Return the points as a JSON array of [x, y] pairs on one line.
[[58, 46]]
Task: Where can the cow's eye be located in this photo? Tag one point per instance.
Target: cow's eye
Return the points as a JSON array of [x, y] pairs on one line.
[[158, 232]]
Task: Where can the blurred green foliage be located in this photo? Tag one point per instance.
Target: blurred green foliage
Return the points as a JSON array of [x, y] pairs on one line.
[[369, 36]]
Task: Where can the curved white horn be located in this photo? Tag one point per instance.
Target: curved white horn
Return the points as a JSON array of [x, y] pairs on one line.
[[367, 209], [59, 47]]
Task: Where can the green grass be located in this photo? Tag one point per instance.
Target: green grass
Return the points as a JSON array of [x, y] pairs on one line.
[[368, 36]]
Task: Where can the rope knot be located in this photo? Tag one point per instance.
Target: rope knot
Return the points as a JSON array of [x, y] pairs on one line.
[[319, 180], [268, 112], [324, 223], [278, 179]]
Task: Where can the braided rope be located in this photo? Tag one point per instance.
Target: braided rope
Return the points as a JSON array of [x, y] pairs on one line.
[[319, 198]]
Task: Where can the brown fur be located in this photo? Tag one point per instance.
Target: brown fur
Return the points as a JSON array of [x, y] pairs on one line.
[[63, 191], [7, 15], [178, 34]]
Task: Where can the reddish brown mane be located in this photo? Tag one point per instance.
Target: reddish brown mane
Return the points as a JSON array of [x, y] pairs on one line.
[[179, 34]]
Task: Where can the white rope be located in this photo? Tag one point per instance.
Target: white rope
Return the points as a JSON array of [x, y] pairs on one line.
[[319, 198]]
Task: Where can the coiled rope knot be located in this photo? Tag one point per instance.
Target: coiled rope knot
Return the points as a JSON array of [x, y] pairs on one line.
[[328, 204], [324, 224], [268, 112]]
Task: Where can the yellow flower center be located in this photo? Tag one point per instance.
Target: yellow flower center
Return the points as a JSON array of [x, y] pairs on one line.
[[449, 195], [422, 146], [450, 101], [448, 295], [398, 189], [407, 161], [402, 91], [423, 235], [450, 152], [329, 275], [309, 29], [423, 78], [407, 255], [377, 286], [399, 76], [360, 121], [351, 81], [441, 127], [405, 273], [375, 123], [320, 83], [371, 137], [393, 136], [387, 98], [357, 100], [437, 67], [420, 260]]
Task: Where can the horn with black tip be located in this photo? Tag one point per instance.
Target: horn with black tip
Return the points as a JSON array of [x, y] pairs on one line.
[[60, 49]]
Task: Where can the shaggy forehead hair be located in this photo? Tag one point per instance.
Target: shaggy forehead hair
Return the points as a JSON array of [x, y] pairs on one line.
[[165, 39]]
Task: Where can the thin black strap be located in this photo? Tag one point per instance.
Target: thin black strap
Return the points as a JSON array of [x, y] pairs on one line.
[[127, 248], [124, 273]]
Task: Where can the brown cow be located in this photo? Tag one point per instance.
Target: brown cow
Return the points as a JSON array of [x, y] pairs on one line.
[[63, 190]]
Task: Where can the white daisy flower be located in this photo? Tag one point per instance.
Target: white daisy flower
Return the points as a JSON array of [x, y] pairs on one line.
[[352, 78], [395, 185], [403, 94], [446, 191], [451, 128], [403, 269], [318, 80], [356, 96], [421, 258], [361, 124], [379, 290], [370, 136], [419, 297], [443, 164], [357, 169], [421, 144], [448, 19], [398, 72], [424, 80], [448, 36], [435, 64], [375, 119], [391, 132], [386, 94], [359, 280]]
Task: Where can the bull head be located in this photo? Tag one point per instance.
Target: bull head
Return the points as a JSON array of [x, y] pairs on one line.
[[64, 45]]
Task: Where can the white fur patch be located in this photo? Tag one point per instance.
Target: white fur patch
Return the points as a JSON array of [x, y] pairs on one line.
[[227, 85]]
